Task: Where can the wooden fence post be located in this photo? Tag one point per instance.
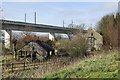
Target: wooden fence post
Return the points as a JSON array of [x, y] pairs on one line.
[[24, 65], [34, 65], [12, 67], [46, 65]]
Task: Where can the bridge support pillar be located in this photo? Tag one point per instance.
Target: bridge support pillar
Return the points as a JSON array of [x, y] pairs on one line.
[[52, 36], [7, 38]]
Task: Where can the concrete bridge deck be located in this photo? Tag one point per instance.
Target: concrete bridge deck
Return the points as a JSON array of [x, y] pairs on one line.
[[23, 26], [9, 26]]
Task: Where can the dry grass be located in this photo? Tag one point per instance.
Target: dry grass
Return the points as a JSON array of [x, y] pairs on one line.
[[75, 47], [93, 67], [56, 64]]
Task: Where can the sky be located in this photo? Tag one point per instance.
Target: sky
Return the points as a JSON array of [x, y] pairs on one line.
[[53, 13], [60, 0]]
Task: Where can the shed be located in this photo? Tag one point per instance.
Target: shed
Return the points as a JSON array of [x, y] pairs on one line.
[[35, 50]]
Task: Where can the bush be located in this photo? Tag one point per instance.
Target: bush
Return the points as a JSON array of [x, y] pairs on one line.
[[6, 50], [49, 42], [62, 44], [93, 49], [58, 38], [62, 50], [75, 47], [78, 45]]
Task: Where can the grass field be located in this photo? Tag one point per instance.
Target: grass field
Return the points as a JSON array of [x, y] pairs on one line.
[[104, 67]]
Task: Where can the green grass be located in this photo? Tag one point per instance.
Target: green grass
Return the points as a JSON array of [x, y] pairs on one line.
[[105, 67]]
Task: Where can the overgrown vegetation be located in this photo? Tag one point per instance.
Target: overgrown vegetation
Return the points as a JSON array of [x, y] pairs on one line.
[[108, 27], [105, 67], [58, 38], [29, 37], [49, 42], [76, 47]]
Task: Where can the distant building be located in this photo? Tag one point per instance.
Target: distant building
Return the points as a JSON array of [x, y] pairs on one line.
[[4, 40], [95, 39], [35, 50], [51, 37]]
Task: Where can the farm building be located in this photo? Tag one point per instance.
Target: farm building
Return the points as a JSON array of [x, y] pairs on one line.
[[35, 50], [95, 39]]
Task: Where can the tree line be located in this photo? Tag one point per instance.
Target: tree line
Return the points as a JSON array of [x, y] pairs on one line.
[[108, 27]]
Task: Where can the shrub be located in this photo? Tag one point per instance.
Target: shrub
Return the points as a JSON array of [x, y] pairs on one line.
[[58, 38], [49, 42], [75, 47], [5, 50], [93, 49], [62, 44], [62, 50], [78, 45]]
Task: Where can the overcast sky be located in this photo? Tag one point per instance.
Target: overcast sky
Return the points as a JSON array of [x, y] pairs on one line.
[[53, 13], [60, 0]]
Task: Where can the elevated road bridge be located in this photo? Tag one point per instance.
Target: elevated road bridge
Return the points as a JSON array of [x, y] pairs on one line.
[[23, 26], [9, 26]]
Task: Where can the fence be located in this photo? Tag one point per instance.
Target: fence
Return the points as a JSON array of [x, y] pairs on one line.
[[21, 66], [17, 66]]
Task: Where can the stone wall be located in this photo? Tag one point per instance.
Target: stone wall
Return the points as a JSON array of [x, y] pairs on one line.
[[41, 52], [98, 38]]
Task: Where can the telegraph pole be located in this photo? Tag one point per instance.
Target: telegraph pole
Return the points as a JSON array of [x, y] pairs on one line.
[[1, 13], [35, 17], [63, 23], [72, 23], [25, 17]]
